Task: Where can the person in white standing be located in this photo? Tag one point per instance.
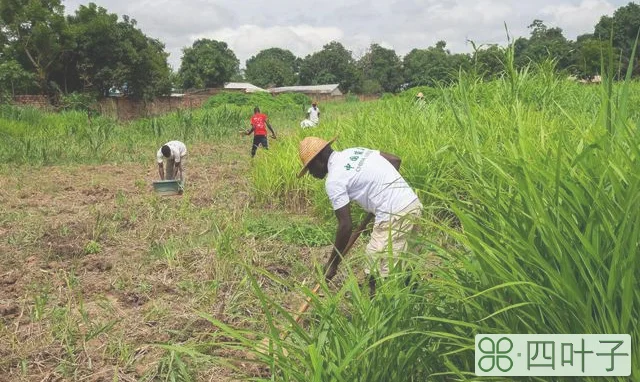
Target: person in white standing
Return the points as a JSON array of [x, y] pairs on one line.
[[175, 153], [313, 114], [371, 179]]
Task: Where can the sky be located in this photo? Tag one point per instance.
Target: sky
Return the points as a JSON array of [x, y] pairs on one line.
[[303, 27]]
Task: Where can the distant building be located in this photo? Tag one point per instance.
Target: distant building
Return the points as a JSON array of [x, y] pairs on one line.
[[311, 90], [243, 86]]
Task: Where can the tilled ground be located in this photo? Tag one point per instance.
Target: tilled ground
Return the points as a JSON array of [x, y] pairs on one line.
[[95, 269]]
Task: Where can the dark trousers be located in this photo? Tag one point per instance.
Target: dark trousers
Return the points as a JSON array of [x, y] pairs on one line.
[[257, 141]]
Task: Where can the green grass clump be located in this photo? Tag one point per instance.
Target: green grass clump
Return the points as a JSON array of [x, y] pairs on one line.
[[542, 176]]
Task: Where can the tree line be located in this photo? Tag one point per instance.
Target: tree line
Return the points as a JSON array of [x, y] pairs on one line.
[[96, 52]]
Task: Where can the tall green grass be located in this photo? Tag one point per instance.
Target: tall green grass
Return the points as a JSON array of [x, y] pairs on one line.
[[542, 175], [30, 136]]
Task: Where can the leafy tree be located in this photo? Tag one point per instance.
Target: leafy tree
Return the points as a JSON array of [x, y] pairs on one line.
[[544, 43], [208, 63], [332, 64], [37, 35], [116, 54], [589, 54], [622, 28], [433, 66], [272, 67], [13, 78], [488, 61], [383, 66], [624, 23]]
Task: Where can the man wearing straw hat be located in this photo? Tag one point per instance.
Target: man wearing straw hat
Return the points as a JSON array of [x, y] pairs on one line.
[[371, 179]]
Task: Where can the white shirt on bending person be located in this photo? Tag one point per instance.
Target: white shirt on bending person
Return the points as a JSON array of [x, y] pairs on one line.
[[365, 176], [178, 151]]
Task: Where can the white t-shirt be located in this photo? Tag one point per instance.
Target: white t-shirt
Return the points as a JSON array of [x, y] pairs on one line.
[[365, 176], [314, 114], [178, 151]]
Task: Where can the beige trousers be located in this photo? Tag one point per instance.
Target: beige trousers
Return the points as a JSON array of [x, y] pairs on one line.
[[391, 236]]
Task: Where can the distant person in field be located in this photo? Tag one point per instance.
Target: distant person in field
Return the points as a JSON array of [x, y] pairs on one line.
[[259, 125], [371, 179], [420, 102], [313, 114], [175, 153]]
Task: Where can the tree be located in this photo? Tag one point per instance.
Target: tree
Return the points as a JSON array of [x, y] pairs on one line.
[[332, 64], [109, 53], [488, 61], [272, 67], [38, 36], [625, 24], [382, 66], [622, 29], [208, 63], [14, 78], [432, 66], [589, 54], [544, 43]]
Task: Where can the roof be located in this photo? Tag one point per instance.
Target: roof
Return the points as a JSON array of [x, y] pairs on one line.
[[306, 89], [249, 88]]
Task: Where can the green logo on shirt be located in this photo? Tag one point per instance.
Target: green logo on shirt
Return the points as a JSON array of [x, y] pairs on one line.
[[348, 167]]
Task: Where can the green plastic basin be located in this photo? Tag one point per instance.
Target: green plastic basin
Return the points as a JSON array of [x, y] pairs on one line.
[[167, 187]]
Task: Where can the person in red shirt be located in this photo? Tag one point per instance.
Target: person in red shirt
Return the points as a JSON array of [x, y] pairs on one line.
[[259, 124]]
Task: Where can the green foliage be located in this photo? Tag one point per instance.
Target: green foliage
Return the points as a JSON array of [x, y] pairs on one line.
[[351, 98], [531, 177], [37, 35], [370, 86], [272, 67], [382, 66], [207, 64], [92, 247], [264, 100], [77, 101], [32, 136], [302, 233], [331, 65], [14, 79], [433, 66], [544, 43]]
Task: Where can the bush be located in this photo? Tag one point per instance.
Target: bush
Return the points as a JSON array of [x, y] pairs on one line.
[[264, 100]]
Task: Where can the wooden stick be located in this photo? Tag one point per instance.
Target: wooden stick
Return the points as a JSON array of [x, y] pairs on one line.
[[354, 236]]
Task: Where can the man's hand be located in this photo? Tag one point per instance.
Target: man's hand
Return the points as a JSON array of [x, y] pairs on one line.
[[273, 136]]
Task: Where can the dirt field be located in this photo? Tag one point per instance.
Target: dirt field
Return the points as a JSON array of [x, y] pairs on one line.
[[95, 269]]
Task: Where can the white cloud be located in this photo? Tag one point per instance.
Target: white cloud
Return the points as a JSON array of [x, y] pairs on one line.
[[303, 27], [580, 18]]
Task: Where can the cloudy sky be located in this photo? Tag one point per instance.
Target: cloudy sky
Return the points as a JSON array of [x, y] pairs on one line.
[[303, 27]]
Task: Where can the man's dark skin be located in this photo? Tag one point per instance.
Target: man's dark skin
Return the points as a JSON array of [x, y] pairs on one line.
[[166, 152], [318, 168]]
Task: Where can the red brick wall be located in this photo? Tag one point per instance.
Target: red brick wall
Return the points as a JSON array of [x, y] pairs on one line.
[[125, 109], [39, 101]]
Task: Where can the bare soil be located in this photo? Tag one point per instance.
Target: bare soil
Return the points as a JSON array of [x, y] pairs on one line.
[[90, 247]]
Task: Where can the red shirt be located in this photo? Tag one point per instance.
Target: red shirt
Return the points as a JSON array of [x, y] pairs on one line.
[[259, 123]]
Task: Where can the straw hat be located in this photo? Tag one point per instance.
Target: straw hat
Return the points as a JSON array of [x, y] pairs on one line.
[[310, 147]]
